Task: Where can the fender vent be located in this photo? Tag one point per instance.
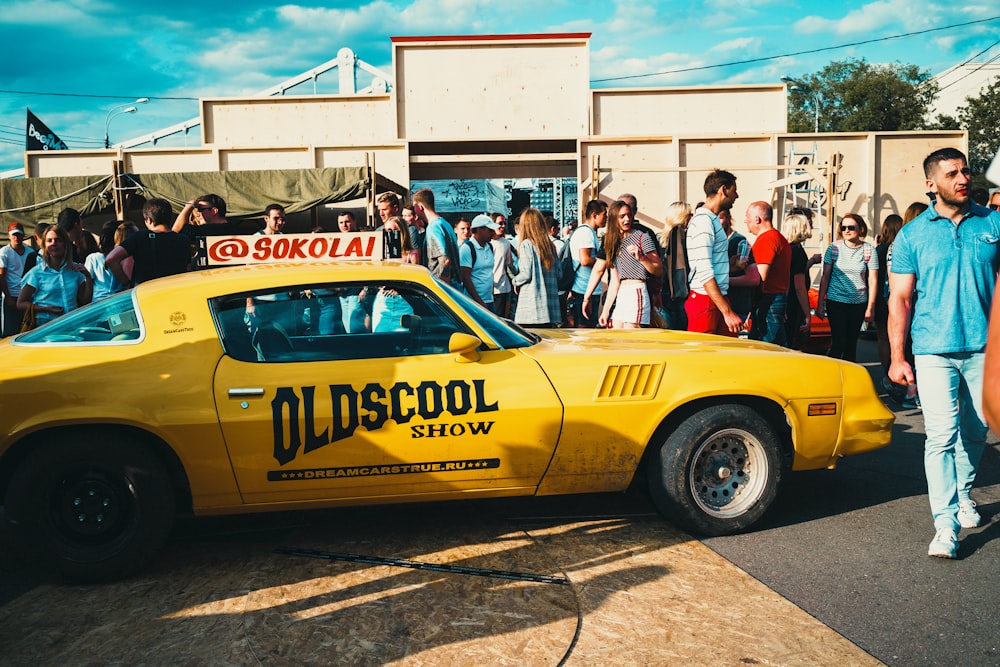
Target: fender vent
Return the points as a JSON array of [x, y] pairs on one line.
[[633, 382]]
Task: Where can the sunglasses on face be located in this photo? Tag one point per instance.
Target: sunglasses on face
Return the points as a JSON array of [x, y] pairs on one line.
[[848, 228], [995, 207]]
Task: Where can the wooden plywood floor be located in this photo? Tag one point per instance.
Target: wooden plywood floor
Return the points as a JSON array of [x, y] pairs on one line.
[[639, 592]]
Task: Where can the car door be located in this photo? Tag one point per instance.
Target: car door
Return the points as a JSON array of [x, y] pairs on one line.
[[328, 409]]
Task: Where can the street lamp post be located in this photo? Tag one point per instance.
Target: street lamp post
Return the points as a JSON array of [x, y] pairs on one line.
[[117, 111], [801, 87]]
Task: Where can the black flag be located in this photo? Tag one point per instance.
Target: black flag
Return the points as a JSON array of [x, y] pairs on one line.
[[41, 138]]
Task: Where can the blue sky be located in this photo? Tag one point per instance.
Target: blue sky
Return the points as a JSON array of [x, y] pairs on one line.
[[72, 62]]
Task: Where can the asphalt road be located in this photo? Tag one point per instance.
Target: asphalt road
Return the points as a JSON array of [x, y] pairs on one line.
[[848, 546]]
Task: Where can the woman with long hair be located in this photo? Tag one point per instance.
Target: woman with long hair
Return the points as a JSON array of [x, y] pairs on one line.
[[890, 227], [105, 283], [633, 259], [56, 285], [908, 398], [675, 268], [408, 253], [797, 314], [538, 273], [126, 228], [849, 286], [388, 306], [913, 210]]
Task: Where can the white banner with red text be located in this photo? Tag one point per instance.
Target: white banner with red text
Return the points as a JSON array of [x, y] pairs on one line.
[[290, 248]]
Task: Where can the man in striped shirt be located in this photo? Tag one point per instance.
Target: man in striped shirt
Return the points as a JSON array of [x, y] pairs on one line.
[[708, 308]]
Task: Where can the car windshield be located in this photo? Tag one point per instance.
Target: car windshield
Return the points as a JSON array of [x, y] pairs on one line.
[[111, 320], [504, 333]]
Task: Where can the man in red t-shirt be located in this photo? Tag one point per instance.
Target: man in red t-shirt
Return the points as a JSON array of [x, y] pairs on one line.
[[773, 255]]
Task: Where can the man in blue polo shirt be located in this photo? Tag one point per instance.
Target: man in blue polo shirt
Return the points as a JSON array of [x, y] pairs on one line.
[[476, 259], [944, 267]]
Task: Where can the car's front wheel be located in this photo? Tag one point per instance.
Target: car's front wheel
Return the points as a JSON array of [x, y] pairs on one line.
[[91, 508], [718, 472]]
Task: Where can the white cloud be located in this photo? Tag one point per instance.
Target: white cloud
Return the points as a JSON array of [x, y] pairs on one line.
[[656, 70], [635, 20], [78, 15], [363, 19], [741, 44], [578, 25], [947, 42], [733, 5], [873, 17]]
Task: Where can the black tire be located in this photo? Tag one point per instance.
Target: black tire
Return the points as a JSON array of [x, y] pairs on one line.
[[93, 508], [718, 472]]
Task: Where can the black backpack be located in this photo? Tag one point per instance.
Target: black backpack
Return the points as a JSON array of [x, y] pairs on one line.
[[565, 282], [472, 251]]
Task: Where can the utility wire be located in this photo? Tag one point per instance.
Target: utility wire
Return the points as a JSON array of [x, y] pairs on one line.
[[100, 97], [796, 53], [75, 138], [971, 72]]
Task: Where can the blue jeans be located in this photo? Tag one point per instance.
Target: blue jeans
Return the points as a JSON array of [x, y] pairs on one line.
[[769, 319], [951, 396]]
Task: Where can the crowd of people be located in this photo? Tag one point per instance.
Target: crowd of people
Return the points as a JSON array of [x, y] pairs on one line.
[[924, 283], [699, 274], [610, 270]]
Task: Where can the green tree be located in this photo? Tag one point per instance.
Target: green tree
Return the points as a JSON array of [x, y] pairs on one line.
[[856, 96], [980, 115], [944, 122]]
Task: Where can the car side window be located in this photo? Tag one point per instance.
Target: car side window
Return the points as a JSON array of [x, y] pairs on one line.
[[334, 322], [114, 320]]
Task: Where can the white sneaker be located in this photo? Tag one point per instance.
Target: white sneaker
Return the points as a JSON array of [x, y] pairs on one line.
[[944, 544], [968, 517]]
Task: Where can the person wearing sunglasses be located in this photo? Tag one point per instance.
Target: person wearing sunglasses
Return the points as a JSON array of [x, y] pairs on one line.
[[204, 216], [848, 287]]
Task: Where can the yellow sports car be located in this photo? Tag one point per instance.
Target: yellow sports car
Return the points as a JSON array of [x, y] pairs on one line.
[[277, 387]]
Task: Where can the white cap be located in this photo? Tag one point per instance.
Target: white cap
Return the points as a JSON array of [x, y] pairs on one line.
[[483, 220]]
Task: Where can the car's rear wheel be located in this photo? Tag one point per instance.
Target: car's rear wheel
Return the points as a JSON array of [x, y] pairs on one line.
[[92, 508], [718, 472]]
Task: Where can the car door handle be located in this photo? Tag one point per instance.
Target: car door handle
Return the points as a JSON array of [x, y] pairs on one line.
[[246, 392]]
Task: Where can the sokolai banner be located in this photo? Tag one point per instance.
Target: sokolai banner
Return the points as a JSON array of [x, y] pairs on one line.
[[289, 248], [40, 138]]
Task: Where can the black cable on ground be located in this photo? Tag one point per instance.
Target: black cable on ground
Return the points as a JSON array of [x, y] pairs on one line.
[[420, 565], [579, 609]]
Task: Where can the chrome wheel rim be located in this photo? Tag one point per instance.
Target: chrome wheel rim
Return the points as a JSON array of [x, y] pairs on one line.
[[728, 473]]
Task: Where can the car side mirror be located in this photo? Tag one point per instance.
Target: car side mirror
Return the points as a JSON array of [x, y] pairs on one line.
[[466, 347]]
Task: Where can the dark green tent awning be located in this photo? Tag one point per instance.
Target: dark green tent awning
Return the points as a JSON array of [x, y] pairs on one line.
[[33, 200], [247, 193]]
